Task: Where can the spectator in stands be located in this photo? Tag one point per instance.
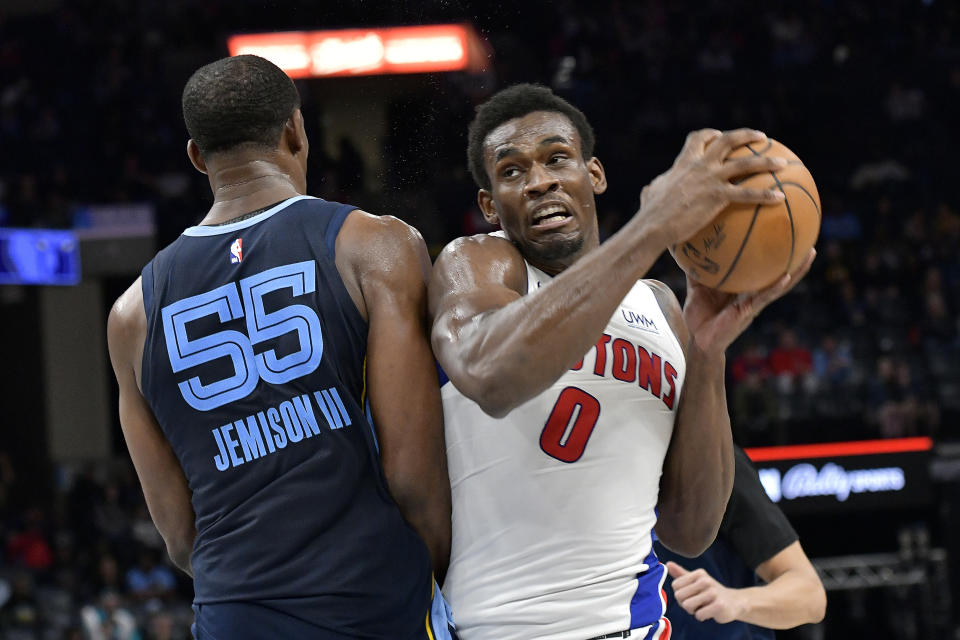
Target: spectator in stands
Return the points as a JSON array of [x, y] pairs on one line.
[[109, 619], [753, 360], [30, 547], [20, 615], [150, 582], [832, 362]]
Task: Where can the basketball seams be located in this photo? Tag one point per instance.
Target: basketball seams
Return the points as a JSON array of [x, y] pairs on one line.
[[746, 222], [746, 238], [793, 232], [813, 200]]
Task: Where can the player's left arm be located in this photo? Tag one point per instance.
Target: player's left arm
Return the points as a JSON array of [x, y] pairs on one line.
[[393, 269], [793, 594], [698, 468], [164, 484]]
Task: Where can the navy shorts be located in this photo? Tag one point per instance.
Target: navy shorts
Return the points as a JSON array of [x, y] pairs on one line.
[[251, 621]]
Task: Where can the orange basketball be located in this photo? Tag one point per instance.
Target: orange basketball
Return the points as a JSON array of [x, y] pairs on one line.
[[748, 247]]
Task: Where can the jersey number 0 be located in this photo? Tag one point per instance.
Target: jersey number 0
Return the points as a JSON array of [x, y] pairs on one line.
[[559, 438]]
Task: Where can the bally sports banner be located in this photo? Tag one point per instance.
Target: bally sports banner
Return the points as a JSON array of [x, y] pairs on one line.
[[865, 474]]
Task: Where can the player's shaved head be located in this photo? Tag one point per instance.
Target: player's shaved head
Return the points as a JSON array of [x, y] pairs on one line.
[[238, 101], [515, 102]]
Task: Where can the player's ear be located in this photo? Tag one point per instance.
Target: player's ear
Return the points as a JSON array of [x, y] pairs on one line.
[[488, 207], [295, 133], [597, 175], [196, 158]]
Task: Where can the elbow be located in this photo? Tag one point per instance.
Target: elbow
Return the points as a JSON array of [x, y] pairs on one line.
[[180, 556], [688, 541], [179, 549], [817, 607], [495, 407], [691, 546], [494, 394]]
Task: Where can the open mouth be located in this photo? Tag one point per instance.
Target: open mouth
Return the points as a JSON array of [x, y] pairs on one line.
[[550, 216]]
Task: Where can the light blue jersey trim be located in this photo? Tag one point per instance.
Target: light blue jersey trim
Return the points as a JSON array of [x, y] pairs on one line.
[[441, 617], [207, 230]]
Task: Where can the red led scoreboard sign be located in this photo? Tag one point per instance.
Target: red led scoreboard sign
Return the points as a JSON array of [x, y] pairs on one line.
[[356, 52], [869, 474]]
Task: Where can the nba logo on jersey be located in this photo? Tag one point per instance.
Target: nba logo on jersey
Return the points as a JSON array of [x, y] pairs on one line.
[[236, 251]]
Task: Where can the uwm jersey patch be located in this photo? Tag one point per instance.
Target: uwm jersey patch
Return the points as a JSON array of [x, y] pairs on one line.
[[553, 505]]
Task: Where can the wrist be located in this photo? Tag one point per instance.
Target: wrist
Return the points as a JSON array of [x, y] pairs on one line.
[[711, 357], [741, 604], [647, 234]]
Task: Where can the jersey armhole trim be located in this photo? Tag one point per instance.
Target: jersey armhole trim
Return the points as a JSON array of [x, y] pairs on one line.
[[146, 288], [333, 229]]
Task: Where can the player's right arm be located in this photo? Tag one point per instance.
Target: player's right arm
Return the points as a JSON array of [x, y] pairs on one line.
[[386, 263], [501, 348], [164, 485]]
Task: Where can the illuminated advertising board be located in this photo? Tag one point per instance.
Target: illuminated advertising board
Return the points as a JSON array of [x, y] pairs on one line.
[[39, 256], [377, 51], [866, 474]]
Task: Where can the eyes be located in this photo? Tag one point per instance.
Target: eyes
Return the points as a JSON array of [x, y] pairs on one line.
[[514, 170]]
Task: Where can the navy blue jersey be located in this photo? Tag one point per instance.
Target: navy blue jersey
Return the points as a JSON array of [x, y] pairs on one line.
[[253, 366]]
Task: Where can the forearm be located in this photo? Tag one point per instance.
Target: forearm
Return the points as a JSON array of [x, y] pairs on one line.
[[698, 469], [514, 353], [180, 553], [790, 600], [430, 518]]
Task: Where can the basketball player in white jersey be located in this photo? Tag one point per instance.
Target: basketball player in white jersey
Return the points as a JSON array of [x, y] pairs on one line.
[[582, 401]]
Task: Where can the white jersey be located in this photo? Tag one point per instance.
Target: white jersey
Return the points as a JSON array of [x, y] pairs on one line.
[[553, 505]]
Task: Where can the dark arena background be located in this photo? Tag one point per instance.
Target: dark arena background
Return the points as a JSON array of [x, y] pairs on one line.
[[846, 393]]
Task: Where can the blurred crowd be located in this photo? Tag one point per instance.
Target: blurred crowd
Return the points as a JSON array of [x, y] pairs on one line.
[[868, 346], [89, 114], [89, 565]]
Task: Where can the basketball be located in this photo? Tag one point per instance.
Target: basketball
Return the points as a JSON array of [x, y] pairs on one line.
[[748, 247]]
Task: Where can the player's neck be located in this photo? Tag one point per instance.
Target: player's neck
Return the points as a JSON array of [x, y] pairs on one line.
[[241, 188], [558, 265]]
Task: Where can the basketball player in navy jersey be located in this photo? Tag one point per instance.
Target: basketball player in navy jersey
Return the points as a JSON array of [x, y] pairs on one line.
[[277, 391], [582, 400]]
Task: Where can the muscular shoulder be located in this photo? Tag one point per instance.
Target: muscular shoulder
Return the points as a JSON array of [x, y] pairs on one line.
[[671, 308], [472, 260], [374, 240], [127, 325], [380, 257]]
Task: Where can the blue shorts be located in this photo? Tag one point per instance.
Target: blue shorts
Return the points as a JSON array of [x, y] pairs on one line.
[[253, 621]]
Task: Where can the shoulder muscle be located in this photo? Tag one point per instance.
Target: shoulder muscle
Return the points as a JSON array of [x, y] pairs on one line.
[[126, 329], [476, 265], [377, 253]]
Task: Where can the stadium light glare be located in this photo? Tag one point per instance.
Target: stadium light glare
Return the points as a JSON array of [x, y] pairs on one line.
[[353, 52]]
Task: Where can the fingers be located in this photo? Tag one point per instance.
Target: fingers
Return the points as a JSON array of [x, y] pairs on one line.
[[691, 584], [725, 143], [805, 267], [698, 140], [751, 164], [708, 612], [694, 603], [675, 570], [750, 195], [779, 288]]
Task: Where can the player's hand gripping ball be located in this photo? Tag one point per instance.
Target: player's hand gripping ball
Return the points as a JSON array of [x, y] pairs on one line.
[[748, 247]]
